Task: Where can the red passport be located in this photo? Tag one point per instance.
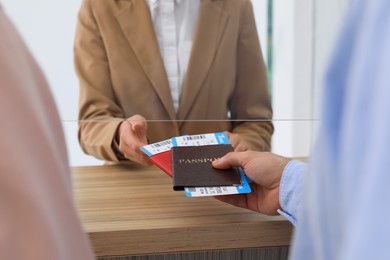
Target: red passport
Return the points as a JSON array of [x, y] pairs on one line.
[[163, 161], [160, 155]]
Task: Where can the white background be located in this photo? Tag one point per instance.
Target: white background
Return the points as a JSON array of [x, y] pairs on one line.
[[303, 33]]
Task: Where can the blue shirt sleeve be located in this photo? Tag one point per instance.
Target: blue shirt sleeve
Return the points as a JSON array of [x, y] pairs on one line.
[[290, 190]]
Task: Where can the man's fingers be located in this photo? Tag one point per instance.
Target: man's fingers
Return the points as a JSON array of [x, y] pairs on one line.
[[235, 200], [241, 147], [232, 159]]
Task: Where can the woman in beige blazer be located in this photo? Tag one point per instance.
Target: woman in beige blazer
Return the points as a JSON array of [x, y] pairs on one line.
[[123, 79]]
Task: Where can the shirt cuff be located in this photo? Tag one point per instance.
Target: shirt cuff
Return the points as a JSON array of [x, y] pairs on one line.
[[290, 189], [118, 153]]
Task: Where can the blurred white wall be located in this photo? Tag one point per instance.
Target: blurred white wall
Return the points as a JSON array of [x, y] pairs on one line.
[[303, 34], [48, 27], [302, 30], [261, 16]]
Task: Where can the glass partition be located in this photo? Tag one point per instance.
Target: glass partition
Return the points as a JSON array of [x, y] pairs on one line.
[[294, 37]]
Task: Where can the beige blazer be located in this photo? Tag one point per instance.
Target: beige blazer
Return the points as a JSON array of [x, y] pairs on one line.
[[121, 73], [38, 219]]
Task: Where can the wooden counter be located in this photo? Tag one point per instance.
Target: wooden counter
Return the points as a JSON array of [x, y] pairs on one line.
[[133, 211]]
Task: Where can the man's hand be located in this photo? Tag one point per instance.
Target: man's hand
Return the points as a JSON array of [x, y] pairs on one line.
[[237, 142], [265, 169], [132, 135]]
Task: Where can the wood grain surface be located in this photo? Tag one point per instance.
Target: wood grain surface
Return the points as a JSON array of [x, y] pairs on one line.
[[133, 210]]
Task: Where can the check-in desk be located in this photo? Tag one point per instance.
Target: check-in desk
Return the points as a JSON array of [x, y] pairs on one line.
[[132, 213]]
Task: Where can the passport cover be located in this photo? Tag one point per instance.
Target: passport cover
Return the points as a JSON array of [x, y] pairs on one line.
[[163, 161], [191, 167]]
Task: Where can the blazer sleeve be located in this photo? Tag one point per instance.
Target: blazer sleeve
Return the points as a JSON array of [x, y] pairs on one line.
[[99, 114], [250, 99]]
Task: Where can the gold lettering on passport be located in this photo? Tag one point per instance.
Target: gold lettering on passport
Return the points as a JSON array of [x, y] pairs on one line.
[[197, 160]]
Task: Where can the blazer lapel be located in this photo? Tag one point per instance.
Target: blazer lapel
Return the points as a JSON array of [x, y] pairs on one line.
[[136, 23], [210, 27]]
